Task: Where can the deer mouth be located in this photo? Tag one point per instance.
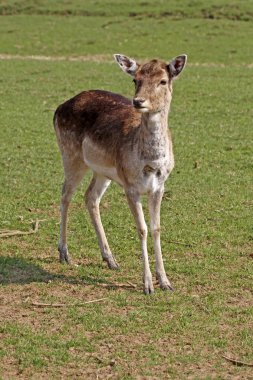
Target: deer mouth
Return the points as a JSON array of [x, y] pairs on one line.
[[140, 104], [142, 109]]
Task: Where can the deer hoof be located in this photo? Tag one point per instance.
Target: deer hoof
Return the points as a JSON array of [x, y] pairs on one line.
[[166, 286], [112, 263], [148, 287], [148, 290], [64, 256], [164, 283]]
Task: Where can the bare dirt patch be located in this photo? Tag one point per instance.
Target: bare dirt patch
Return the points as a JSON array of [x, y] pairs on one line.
[[87, 58], [104, 58]]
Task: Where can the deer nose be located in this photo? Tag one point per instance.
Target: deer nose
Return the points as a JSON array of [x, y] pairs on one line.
[[138, 102]]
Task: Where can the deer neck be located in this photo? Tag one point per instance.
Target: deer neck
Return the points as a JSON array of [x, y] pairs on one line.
[[153, 138], [155, 123]]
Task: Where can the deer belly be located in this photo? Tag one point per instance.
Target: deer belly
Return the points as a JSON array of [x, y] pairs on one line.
[[96, 159]]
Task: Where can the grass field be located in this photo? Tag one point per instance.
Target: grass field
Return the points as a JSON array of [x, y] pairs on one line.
[[51, 50]]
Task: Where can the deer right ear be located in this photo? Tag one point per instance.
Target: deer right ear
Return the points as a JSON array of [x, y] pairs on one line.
[[128, 65]]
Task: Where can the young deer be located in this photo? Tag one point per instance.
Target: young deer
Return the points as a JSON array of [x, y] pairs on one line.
[[125, 141]]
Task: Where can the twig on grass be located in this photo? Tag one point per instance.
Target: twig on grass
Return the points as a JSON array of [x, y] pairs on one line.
[[131, 284], [237, 362], [8, 233], [181, 243], [128, 285], [40, 304]]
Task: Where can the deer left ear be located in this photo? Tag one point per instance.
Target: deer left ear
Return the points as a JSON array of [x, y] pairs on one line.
[[128, 65], [176, 65]]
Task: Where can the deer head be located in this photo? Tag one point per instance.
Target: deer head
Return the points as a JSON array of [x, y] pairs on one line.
[[153, 81]]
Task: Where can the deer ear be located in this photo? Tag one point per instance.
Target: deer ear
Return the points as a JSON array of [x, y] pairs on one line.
[[176, 65], [128, 65]]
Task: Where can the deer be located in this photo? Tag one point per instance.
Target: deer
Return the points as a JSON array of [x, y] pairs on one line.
[[121, 140]]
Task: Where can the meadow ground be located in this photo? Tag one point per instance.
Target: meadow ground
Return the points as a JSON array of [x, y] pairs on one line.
[[52, 50]]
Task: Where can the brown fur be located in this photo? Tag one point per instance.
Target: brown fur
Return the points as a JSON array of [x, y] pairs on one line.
[[104, 116]]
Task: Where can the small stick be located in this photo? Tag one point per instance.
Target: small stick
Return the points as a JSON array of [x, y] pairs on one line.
[[237, 362], [131, 284], [39, 304], [117, 285], [39, 220], [8, 233], [181, 243]]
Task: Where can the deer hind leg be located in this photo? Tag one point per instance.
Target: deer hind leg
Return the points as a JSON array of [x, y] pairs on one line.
[[93, 196], [136, 208], [154, 210], [74, 173]]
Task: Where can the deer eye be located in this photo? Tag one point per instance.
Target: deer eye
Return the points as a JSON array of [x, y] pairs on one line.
[[163, 82]]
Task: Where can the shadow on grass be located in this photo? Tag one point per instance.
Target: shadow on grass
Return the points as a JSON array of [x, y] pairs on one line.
[[16, 270]]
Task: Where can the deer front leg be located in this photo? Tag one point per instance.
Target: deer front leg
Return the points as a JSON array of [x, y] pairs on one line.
[[154, 210], [136, 208], [93, 196]]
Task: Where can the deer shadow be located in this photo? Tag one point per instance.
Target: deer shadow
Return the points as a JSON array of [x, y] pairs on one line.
[[17, 270]]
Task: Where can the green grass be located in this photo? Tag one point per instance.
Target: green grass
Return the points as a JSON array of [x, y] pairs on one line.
[[206, 213]]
